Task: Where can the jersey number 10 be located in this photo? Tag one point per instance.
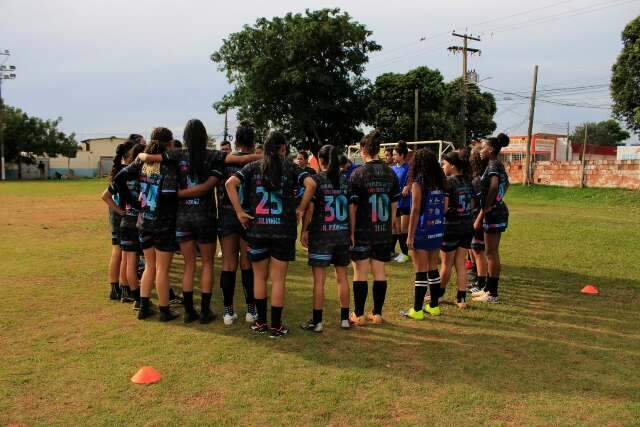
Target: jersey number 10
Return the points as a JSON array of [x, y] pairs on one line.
[[380, 207]]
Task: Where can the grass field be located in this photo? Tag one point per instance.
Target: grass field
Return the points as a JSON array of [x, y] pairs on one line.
[[546, 356]]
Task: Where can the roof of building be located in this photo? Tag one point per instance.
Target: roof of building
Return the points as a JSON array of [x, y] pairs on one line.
[[603, 150]]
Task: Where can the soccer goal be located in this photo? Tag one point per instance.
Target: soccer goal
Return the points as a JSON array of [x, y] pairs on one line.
[[439, 147]]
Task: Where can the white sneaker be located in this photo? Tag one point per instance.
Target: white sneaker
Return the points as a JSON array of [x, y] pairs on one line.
[[229, 319], [402, 258], [251, 318], [478, 293], [487, 298], [345, 324]]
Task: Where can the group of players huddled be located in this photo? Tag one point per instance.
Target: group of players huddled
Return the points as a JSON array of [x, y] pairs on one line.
[[164, 198]]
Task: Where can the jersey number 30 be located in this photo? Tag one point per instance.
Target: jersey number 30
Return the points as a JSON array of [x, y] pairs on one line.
[[336, 207]]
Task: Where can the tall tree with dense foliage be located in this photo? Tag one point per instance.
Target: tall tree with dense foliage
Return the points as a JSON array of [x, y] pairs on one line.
[[392, 100], [606, 132], [625, 80], [27, 136], [301, 73]]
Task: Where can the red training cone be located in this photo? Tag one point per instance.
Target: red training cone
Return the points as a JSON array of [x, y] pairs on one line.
[[468, 264], [146, 375], [590, 290]]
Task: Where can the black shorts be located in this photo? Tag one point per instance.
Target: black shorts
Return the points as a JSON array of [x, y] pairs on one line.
[[129, 239], [457, 236], [324, 255], [114, 221], [228, 224], [162, 240], [379, 252], [496, 220], [477, 242], [200, 229], [280, 249], [403, 211]]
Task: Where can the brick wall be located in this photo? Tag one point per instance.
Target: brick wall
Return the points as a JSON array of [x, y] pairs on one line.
[[598, 173]]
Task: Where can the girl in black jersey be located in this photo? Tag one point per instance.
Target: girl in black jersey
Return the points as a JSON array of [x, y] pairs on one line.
[[270, 187], [325, 232], [233, 237], [494, 214], [458, 230], [478, 166], [373, 198]]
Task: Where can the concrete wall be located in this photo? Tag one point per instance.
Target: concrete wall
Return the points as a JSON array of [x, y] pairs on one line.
[[598, 173]]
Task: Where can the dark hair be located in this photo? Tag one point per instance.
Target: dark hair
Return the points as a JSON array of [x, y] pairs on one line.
[[329, 155], [160, 137], [135, 138], [245, 135], [459, 161], [388, 150], [344, 160], [401, 148], [195, 137], [121, 151], [133, 152], [427, 170], [498, 142], [371, 143], [225, 143], [304, 154], [478, 165], [272, 162], [176, 143]]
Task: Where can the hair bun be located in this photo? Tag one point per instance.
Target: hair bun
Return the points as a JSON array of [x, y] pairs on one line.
[[503, 140]]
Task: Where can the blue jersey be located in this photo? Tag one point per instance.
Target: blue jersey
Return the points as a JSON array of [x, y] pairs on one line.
[[431, 221], [402, 172]]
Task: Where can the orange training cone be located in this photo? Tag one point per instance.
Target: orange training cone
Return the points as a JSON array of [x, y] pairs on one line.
[[590, 290], [468, 264], [146, 375]]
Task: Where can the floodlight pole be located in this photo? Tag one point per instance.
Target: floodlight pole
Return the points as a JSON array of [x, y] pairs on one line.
[[8, 76]]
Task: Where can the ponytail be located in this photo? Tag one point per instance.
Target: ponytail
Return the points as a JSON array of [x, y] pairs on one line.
[[121, 151], [272, 162], [329, 156]]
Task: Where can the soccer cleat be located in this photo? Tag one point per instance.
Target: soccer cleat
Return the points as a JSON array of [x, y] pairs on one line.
[[278, 332], [413, 314], [479, 293], [357, 320], [229, 319], [474, 289], [191, 316], [115, 295], [146, 313], [250, 318], [207, 317], [434, 311], [376, 319], [125, 295], [345, 324], [167, 316], [310, 326], [261, 328], [489, 299], [136, 305], [176, 300], [402, 258]]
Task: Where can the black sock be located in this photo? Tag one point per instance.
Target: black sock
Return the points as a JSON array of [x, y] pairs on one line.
[[228, 285], [492, 284], [125, 291], [276, 317], [144, 303], [115, 286], [474, 269], [344, 313], [360, 291], [205, 302], [247, 286], [461, 296], [434, 287], [188, 301], [317, 316], [442, 290], [394, 240], [379, 294], [403, 243], [421, 286], [164, 308], [482, 283], [172, 294], [261, 306], [135, 294]]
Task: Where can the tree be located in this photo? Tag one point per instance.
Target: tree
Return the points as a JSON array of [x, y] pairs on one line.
[[26, 137], [391, 107], [606, 132], [300, 73], [625, 79]]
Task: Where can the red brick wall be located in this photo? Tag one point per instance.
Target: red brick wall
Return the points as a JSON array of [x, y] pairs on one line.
[[598, 173]]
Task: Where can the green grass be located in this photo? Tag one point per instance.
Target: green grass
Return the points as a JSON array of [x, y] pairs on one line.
[[547, 355]]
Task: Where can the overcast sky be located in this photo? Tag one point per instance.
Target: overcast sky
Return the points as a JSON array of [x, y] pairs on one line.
[[116, 67]]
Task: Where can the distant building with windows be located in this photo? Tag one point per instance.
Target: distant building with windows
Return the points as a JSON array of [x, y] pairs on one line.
[[553, 147]]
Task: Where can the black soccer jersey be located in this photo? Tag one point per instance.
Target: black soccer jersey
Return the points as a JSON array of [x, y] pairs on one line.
[[374, 186], [477, 191], [494, 168], [126, 188], [330, 221], [228, 171], [460, 194], [273, 211]]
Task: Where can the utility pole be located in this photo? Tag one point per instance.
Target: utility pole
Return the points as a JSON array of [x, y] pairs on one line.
[[584, 153], [569, 151], [466, 50], [415, 120], [532, 108], [6, 73], [226, 127]]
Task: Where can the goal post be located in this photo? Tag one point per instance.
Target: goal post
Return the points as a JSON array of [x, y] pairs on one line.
[[439, 147]]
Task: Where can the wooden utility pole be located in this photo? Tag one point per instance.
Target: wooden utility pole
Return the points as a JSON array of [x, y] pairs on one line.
[[532, 108], [569, 151], [466, 50], [415, 120], [226, 127], [584, 152]]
